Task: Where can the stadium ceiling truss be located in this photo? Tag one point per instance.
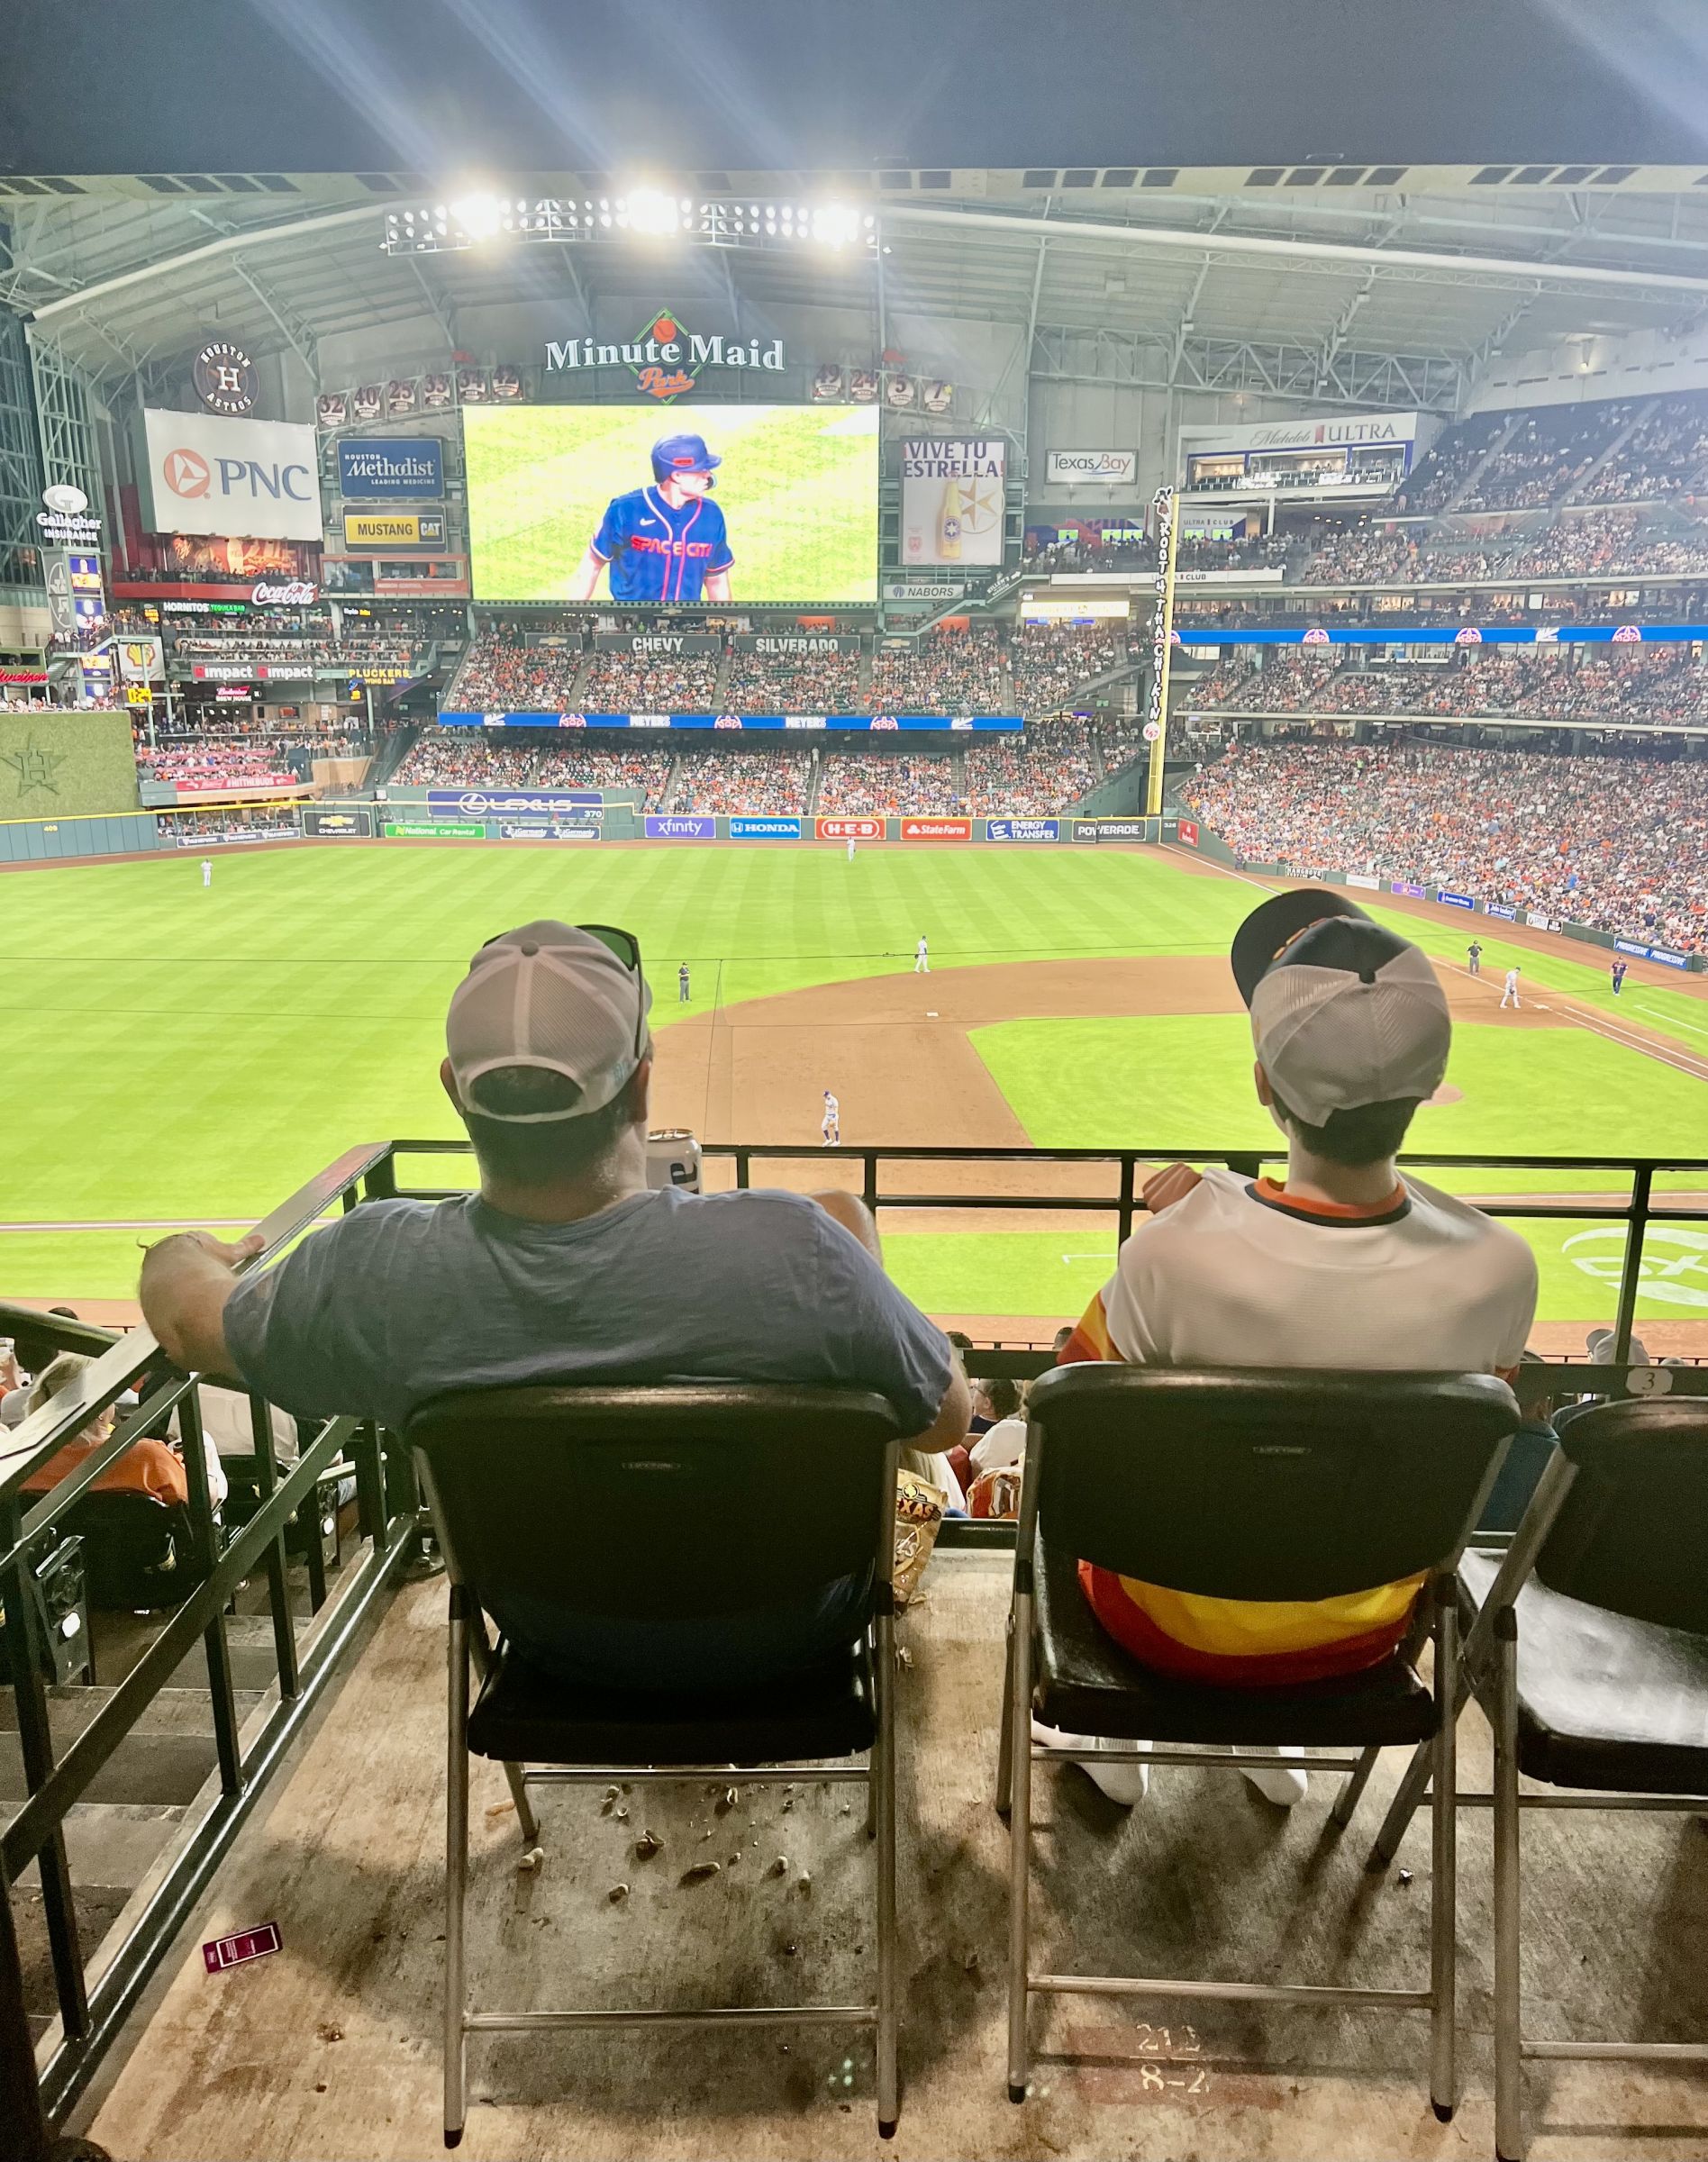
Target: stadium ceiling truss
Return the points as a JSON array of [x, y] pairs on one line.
[[1376, 298]]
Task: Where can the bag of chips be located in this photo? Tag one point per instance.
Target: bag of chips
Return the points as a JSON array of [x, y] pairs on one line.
[[919, 1513]]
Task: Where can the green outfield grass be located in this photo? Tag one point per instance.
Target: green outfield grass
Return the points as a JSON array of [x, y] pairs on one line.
[[189, 1054], [798, 489]]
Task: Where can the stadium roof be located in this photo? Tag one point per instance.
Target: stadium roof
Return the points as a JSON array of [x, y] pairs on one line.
[[1342, 284]]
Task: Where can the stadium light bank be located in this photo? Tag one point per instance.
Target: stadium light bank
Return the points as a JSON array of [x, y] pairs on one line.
[[641, 212]]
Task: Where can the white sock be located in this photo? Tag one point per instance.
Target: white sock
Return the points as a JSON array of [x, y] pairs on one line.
[[1121, 1780], [1284, 1786]]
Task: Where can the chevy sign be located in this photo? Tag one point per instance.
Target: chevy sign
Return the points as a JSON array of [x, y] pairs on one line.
[[254, 480], [404, 469]]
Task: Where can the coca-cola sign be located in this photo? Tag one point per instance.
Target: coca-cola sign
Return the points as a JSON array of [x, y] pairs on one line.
[[293, 592]]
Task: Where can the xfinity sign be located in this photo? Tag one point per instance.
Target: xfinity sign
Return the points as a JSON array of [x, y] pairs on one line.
[[239, 479]]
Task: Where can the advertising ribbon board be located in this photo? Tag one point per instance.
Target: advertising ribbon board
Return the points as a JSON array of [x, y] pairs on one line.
[[681, 829], [340, 825], [765, 829], [514, 803], [1494, 908], [542, 829], [404, 468], [1022, 829], [1189, 832], [937, 829], [1454, 900], [848, 829], [415, 829]]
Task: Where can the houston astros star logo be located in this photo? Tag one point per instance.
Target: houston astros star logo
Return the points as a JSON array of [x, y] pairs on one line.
[[34, 766]]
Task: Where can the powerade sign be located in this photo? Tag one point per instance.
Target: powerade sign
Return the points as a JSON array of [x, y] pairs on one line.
[[1651, 953], [765, 829], [1113, 829], [1449, 900], [394, 469], [586, 803], [1022, 829], [682, 828]]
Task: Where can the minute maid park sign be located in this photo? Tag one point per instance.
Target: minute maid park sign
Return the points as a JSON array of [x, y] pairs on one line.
[[666, 358]]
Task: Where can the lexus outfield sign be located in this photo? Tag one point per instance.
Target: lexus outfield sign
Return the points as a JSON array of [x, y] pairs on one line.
[[1112, 469], [246, 479]]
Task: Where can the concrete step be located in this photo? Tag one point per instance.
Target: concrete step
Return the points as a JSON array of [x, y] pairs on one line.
[[161, 1761]]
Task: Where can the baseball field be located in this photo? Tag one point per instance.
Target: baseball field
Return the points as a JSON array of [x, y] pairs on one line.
[[797, 488], [180, 1056]]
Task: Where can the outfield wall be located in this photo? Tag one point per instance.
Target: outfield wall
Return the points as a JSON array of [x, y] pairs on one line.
[[51, 840]]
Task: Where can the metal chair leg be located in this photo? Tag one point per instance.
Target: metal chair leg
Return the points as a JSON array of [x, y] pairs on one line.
[[528, 1822], [1403, 1807], [1444, 1859], [1005, 1738], [1355, 1782], [456, 1863], [1509, 2067], [882, 1797], [1019, 1845]]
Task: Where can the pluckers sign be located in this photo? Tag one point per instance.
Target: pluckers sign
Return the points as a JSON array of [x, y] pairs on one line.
[[666, 358]]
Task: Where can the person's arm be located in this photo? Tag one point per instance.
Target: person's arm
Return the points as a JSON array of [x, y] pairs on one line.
[[588, 572], [187, 1280], [717, 586]]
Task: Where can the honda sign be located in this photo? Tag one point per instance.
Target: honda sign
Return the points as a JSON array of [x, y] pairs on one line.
[[251, 480]]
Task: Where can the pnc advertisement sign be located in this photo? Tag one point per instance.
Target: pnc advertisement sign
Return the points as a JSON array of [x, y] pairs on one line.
[[256, 479]]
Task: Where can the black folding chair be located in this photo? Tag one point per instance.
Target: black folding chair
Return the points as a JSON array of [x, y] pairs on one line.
[[1588, 1651], [1253, 1484], [607, 1505]]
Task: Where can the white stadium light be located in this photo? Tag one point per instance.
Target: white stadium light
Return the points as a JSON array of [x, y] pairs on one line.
[[647, 212], [479, 216], [650, 210]]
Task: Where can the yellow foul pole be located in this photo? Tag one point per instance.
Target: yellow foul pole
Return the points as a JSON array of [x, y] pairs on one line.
[[1162, 647]]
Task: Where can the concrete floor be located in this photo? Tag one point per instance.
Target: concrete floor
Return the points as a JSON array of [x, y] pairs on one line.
[[330, 2048]]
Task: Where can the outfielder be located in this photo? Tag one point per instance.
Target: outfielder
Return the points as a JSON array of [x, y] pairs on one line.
[[682, 985], [667, 542], [850, 848], [830, 1126], [1509, 996], [207, 870], [921, 959]]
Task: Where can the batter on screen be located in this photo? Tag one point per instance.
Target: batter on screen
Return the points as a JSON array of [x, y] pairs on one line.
[[667, 542]]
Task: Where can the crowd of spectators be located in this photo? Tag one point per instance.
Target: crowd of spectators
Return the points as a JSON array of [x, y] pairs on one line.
[[243, 763], [770, 782], [1549, 453], [500, 673], [462, 757], [1051, 766], [1660, 456], [1255, 551], [1617, 842], [897, 787], [1286, 682], [944, 672], [1553, 682], [1050, 662], [1443, 471], [254, 822], [640, 682], [807, 683]]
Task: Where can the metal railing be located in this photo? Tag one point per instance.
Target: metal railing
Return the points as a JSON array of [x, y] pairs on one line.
[[38, 2085], [92, 2007]]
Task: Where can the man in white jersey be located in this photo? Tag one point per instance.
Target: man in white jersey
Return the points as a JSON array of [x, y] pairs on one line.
[[1344, 1264], [1509, 996], [207, 870], [831, 1125], [850, 848], [921, 958]]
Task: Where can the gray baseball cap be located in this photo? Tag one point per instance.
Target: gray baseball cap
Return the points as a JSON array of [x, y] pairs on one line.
[[1344, 1012], [555, 998]]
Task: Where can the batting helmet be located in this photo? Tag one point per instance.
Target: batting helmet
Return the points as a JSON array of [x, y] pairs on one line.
[[674, 454]]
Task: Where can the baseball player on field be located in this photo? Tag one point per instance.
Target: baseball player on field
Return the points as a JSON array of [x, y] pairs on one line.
[[667, 542], [830, 1127], [850, 848], [1509, 996], [207, 870], [1474, 957], [1618, 972], [921, 958]]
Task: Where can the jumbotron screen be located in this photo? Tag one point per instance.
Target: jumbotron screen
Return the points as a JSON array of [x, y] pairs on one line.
[[700, 504]]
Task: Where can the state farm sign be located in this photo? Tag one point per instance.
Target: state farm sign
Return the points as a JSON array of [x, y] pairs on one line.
[[937, 829]]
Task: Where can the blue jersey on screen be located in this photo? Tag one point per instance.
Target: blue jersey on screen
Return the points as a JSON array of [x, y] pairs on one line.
[[657, 552]]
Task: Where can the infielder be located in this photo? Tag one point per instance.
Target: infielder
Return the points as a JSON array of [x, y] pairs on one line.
[[1474, 957], [830, 1126], [921, 959], [1620, 967], [207, 870], [1508, 997], [667, 542], [682, 985]]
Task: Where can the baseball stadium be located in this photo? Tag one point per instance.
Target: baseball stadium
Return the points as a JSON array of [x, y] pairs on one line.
[[833, 963]]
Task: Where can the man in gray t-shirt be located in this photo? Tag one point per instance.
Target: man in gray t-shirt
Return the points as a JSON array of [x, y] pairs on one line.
[[565, 1267]]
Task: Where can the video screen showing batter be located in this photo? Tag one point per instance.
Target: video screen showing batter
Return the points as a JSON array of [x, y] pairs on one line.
[[679, 504]]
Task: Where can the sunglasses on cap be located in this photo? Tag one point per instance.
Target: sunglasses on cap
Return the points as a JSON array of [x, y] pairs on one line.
[[627, 948]]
